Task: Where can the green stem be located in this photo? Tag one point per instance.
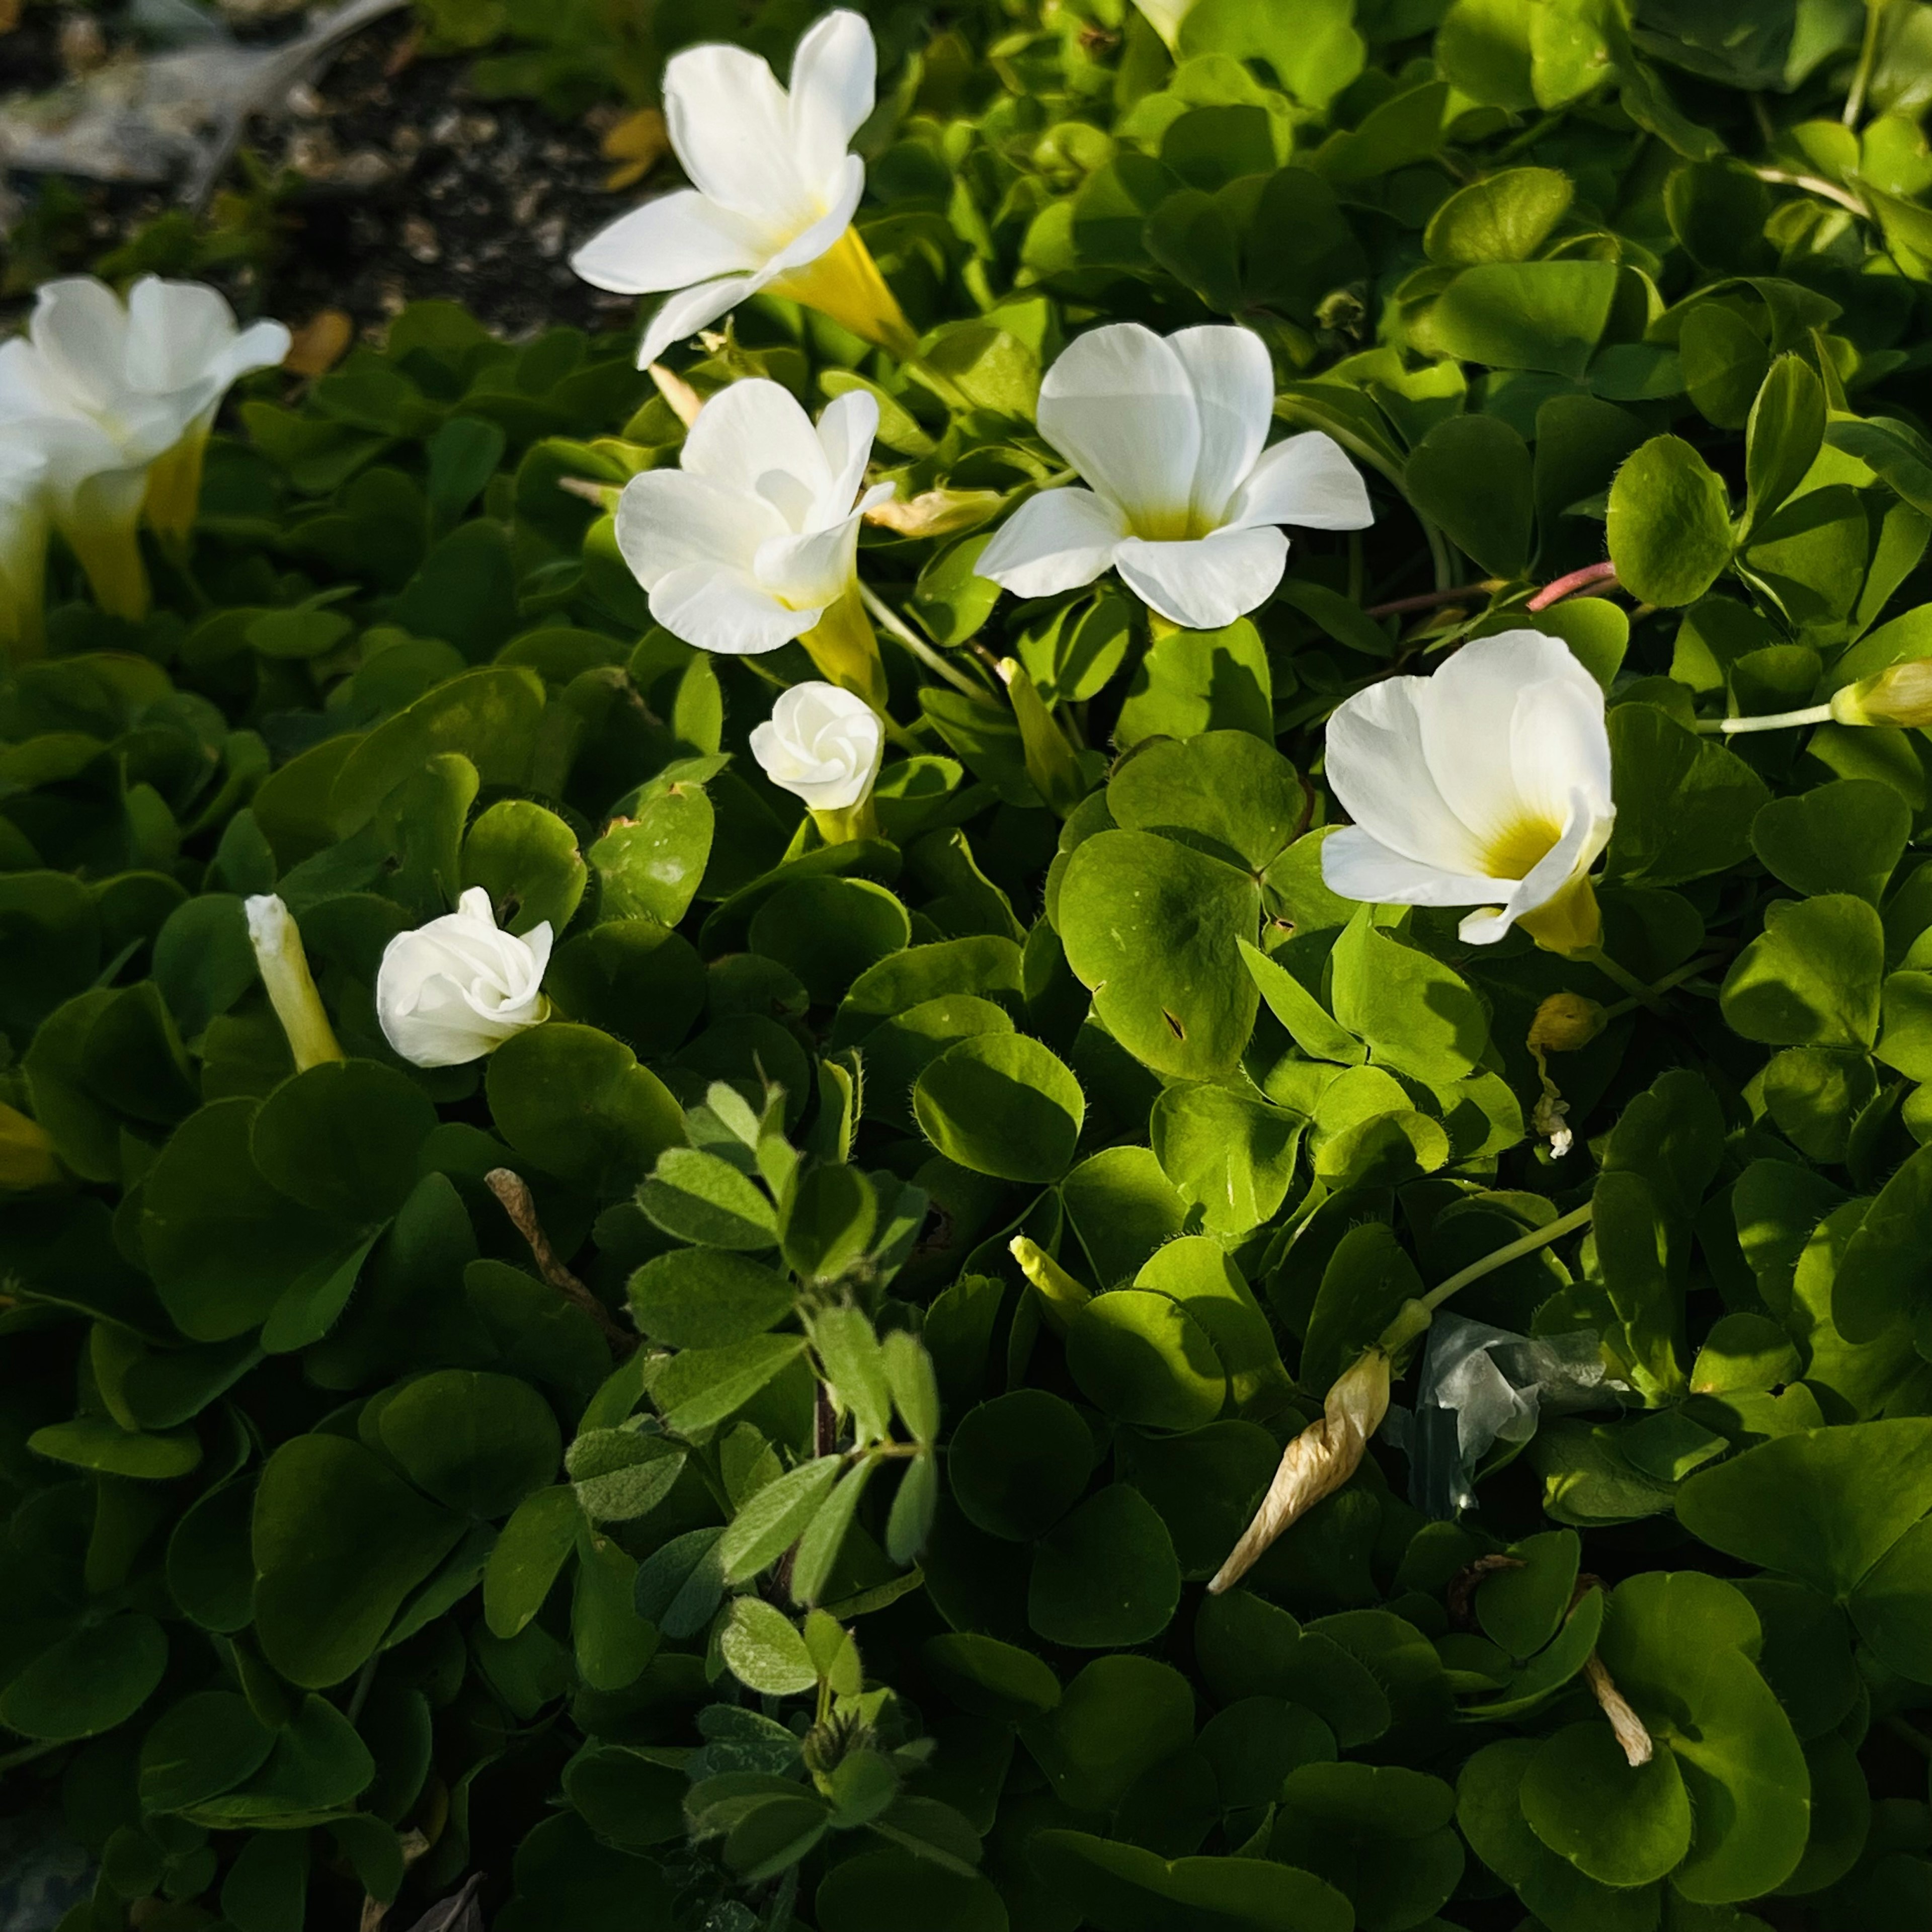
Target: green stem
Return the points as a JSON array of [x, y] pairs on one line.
[[1774, 721], [1595, 955], [1663, 985], [889, 619], [1854, 101], [1541, 1237]]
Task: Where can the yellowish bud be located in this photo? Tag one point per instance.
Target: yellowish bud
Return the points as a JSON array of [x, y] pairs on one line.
[[936, 513], [1061, 1296], [1564, 1022], [26, 1154], [1315, 1464], [284, 969], [1900, 694]]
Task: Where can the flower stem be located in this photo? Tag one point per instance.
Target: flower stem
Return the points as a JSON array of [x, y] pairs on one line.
[[1594, 577], [1775, 721], [1663, 985], [1595, 955], [1854, 101], [1512, 1251], [889, 619]]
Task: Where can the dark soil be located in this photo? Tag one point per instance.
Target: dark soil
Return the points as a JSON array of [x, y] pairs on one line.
[[401, 185], [414, 188]]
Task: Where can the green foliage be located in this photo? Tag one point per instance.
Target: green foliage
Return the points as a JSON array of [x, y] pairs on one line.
[[738, 1533]]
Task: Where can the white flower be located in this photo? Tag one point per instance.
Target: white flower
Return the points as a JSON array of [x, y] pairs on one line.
[[746, 546], [121, 397], [283, 966], [1487, 784], [775, 188], [457, 987], [822, 744], [1183, 498]]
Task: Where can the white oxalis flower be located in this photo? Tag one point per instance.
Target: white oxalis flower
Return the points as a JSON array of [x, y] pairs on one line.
[[1487, 784], [747, 545], [821, 744], [121, 398], [457, 987], [775, 188], [1183, 499]]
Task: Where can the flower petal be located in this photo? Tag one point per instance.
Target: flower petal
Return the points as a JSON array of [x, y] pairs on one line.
[[813, 569], [725, 611], [834, 83], [845, 433], [80, 328], [1234, 394], [1558, 741], [1357, 865], [1375, 766], [1585, 835], [1469, 711], [1208, 583], [669, 520], [753, 440], [730, 124], [1057, 541], [177, 333], [1307, 481], [1118, 405], [672, 242], [685, 313]]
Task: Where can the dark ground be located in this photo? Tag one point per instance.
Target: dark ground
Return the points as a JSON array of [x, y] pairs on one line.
[[400, 185]]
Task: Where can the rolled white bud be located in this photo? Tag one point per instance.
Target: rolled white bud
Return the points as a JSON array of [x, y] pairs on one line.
[[457, 987], [823, 744], [284, 969]]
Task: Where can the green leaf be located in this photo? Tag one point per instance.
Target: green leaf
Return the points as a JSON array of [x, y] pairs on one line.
[[339, 1543], [650, 864], [698, 1388], [830, 931], [1846, 836], [706, 1297], [342, 1138], [764, 1649], [1506, 217], [89, 1682], [1144, 1359], [1379, 1834], [1118, 1718], [1811, 977], [1617, 1823], [1227, 793], [1471, 475], [1018, 1463], [1194, 681], [1525, 315], [699, 1197], [1105, 1576], [1824, 1505], [527, 859], [1230, 1152], [1679, 1646], [771, 1521], [1669, 523], [476, 1442], [1001, 1104], [882, 1892], [1787, 431], [575, 1102], [1153, 929], [204, 1745], [1416, 1014], [1122, 1888], [1725, 363], [1685, 806], [524, 1561]]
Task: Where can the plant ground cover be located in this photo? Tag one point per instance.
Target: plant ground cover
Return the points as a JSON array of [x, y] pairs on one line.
[[786, 1143]]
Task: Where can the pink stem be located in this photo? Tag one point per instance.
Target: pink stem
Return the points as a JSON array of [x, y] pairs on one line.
[[1597, 577]]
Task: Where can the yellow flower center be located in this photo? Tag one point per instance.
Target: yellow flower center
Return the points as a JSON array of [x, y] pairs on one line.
[[1516, 851]]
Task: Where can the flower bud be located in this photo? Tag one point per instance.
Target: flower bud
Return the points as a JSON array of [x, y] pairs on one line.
[[457, 988], [1061, 1297], [1316, 1463], [284, 968], [822, 744], [1564, 1022], [936, 513], [1901, 693]]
